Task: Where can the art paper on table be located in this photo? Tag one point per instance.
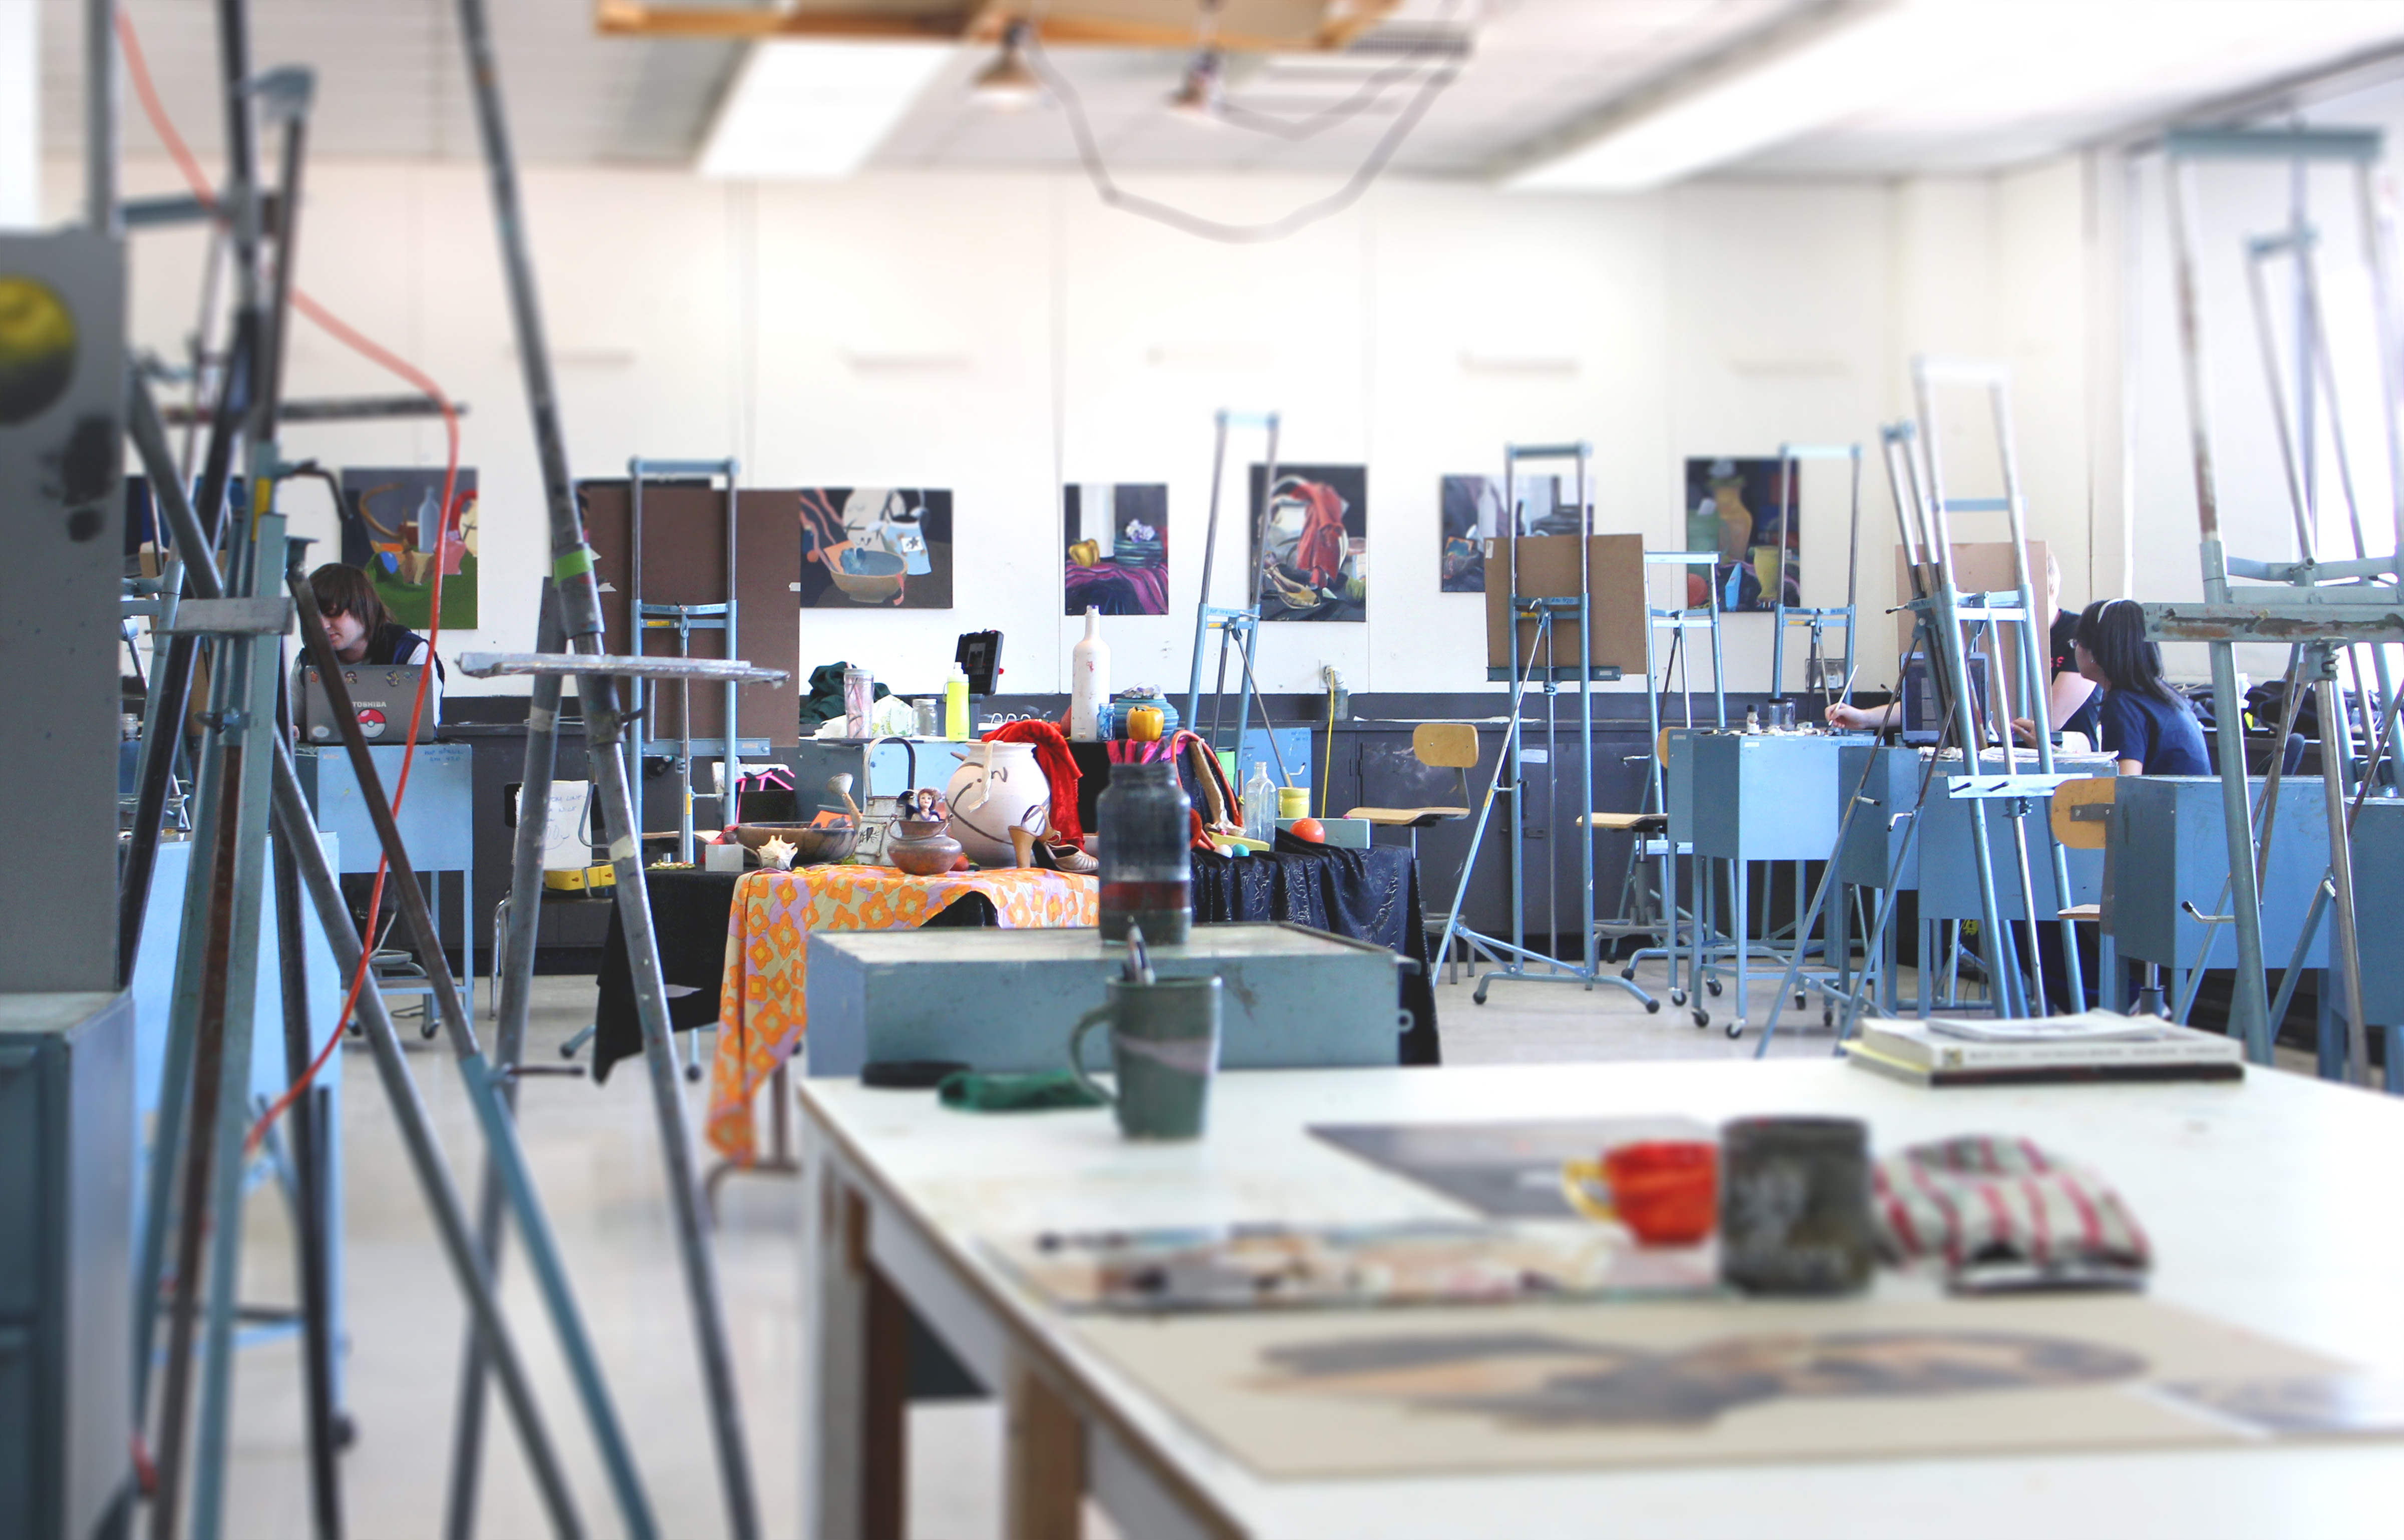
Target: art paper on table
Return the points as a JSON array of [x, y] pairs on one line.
[[1745, 510], [396, 529], [1315, 566], [1116, 537], [1648, 1385], [1472, 514], [1278, 1267], [887, 547], [1503, 1171]]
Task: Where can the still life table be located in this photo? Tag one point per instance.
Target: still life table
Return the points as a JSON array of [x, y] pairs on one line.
[[762, 1014]]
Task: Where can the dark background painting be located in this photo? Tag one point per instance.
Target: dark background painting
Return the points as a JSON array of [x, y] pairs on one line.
[[1127, 577], [1339, 597], [823, 510], [1759, 555]]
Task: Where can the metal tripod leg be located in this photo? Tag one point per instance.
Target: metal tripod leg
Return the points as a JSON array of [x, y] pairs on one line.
[[515, 965]]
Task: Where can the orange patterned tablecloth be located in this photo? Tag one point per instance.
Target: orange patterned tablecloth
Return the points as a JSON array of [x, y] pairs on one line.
[[762, 1011]]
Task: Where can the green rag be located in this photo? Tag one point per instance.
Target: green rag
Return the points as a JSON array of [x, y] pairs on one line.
[[1044, 1091]]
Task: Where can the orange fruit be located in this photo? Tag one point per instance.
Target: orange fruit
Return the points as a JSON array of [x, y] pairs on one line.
[[1309, 829]]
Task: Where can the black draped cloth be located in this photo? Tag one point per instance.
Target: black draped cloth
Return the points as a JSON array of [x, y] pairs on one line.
[[1369, 895], [691, 911]]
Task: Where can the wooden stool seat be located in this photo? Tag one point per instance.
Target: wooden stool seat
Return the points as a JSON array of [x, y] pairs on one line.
[[2084, 911], [1411, 818], [1647, 823]]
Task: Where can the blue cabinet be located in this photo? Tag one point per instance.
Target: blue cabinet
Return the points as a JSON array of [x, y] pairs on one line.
[[66, 1224]]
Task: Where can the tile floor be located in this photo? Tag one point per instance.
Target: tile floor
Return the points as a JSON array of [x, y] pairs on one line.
[[594, 1153]]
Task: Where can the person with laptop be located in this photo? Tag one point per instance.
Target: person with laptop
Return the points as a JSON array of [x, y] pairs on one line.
[[2072, 700], [363, 630]]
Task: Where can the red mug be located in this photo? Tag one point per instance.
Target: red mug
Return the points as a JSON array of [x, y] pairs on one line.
[[1665, 1191]]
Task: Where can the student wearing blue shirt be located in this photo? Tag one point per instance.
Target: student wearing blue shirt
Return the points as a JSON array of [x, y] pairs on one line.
[[2143, 723]]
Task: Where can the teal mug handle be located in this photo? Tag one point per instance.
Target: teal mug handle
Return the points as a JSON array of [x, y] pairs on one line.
[[1086, 1023]]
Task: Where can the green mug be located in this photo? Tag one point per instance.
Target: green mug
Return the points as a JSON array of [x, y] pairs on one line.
[[1164, 1050]]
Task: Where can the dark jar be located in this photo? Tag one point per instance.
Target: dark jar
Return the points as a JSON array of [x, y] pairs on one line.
[[1146, 849], [1795, 1205]]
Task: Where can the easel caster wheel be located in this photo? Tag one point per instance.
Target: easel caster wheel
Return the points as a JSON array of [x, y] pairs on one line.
[[1651, 1007], [1480, 995], [1629, 972], [1799, 999], [1713, 985], [1736, 1028], [1827, 1015], [1677, 996], [692, 1072], [1702, 1018]]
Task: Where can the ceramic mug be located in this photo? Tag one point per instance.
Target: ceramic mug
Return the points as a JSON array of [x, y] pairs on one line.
[[1665, 1191], [1164, 1050]]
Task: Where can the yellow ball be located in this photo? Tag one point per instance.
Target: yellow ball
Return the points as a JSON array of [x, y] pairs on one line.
[[37, 347]]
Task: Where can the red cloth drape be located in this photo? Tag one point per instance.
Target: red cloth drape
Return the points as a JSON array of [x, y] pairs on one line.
[[1059, 768]]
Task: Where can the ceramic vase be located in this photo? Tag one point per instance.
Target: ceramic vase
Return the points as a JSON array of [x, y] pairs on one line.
[[998, 787], [923, 848]]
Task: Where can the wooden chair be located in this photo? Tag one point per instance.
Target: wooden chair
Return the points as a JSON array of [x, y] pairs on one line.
[[1439, 746], [2080, 816]]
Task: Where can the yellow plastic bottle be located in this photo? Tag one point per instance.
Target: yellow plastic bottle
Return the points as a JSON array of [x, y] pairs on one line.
[[955, 705]]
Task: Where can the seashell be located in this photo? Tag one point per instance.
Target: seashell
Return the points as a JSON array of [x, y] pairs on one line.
[[778, 853]]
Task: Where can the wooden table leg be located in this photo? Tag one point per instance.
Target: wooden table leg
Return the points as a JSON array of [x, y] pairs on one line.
[[856, 1412], [1044, 1461]]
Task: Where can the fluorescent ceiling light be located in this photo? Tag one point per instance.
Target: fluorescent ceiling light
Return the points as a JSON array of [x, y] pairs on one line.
[[1858, 64], [806, 111]]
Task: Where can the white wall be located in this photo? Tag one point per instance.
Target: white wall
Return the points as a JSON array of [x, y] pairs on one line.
[[1000, 334], [20, 115]]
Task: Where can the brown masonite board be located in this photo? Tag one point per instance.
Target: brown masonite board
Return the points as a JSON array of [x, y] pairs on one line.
[[1549, 568], [1981, 566], [684, 540]]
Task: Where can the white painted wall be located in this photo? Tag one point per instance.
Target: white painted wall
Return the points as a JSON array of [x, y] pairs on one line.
[[20, 114], [1000, 334]]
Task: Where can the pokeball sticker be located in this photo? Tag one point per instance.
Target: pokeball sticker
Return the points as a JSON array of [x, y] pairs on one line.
[[372, 723]]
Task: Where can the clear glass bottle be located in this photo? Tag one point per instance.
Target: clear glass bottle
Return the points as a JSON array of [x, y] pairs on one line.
[[1147, 872], [1260, 805]]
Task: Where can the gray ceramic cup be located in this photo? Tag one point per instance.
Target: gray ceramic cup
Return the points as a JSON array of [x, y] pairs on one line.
[[1164, 1050]]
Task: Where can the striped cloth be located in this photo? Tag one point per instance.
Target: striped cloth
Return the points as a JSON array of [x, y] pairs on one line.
[[1995, 1209]]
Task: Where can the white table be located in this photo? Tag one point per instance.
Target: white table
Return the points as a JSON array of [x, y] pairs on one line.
[[2272, 1203]]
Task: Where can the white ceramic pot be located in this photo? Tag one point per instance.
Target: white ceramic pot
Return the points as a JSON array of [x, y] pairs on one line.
[[998, 787]]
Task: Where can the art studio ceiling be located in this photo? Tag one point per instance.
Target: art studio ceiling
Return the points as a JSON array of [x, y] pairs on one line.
[[1777, 87]]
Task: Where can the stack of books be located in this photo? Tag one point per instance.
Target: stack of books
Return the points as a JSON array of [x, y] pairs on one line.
[[2095, 1045]]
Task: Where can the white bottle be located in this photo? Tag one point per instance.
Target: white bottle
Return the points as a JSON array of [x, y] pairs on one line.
[[1089, 681], [1260, 804]]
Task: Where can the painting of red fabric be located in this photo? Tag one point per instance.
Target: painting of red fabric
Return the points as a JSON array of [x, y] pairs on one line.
[[1116, 538], [1316, 563]]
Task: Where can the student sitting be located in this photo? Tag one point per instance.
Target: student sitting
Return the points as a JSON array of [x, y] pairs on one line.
[[2143, 723]]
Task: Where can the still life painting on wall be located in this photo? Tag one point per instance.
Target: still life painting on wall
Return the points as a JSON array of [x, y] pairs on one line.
[[1117, 540], [1315, 566], [1744, 511], [877, 545], [1472, 514], [395, 530]]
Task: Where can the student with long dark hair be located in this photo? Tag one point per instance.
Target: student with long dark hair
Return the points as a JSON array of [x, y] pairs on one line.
[[2143, 723]]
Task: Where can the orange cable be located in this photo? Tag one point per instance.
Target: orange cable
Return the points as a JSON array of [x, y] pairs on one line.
[[137, 71]]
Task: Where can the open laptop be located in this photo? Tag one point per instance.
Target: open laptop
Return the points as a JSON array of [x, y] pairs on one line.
[[382, 693]]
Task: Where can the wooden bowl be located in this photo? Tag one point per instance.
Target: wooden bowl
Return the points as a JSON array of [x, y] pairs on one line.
[[811, 847]]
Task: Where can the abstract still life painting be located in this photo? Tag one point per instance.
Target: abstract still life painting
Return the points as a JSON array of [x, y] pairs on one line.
[[396, 529], [1114, 536], [1315, 565], [888, 546]]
